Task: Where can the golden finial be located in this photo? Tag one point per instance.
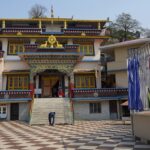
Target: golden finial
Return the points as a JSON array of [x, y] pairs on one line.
[[52, 12]]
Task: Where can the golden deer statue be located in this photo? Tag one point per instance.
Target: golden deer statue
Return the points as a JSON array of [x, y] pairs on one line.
[[43, 45]]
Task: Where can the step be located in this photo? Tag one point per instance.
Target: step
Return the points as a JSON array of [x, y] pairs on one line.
[[42, 106]]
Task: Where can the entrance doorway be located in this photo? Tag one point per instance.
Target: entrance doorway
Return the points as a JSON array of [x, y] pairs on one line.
[[113, 109], [50, 86], [3, 111], [14, 111]]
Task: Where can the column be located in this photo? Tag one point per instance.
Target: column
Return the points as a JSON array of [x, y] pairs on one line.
[[99, 26], [118, 109], [66, 86], [3, 24], [4, 46], [71, 84], [1, 72], [65, 25], [37, 85], [40, 24], [32, 83]]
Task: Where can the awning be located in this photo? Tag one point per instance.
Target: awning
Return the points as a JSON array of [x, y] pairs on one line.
[[125, 103]]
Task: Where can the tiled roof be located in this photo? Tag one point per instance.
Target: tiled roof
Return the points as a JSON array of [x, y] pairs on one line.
[[126, 43]]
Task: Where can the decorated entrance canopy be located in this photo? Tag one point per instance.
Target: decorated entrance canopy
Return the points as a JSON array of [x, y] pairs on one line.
[[50, 56]]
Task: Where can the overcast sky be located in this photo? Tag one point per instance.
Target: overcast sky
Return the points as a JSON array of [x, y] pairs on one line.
[[81, 9]]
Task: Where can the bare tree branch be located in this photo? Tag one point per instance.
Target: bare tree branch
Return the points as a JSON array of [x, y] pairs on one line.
[[37, 11]]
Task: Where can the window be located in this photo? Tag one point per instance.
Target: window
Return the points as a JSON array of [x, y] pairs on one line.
[[4, 110], [95, 108], [18, 82], [87, 50], [15, 48], [85, 81]]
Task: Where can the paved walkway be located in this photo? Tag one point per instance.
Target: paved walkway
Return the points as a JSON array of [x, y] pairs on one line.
[[84, 135]]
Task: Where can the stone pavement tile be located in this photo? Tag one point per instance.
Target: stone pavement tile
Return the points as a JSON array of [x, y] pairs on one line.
[[95, 142], [75, 144], [127, 143], [142, 147], [123, 148], [108, 145], [87, 148], [31, 148], [47, 148], [84, 140], [105, 148], [102, 138], [16, 147], [67, 149]]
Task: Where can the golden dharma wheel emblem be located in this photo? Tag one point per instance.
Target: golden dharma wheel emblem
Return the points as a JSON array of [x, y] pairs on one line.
[[51, 39]]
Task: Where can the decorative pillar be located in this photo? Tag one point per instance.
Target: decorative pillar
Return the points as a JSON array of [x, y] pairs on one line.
[[66, 86], [3, 24], [65, 25], [99, 26], [40, 24], [32, 83], [71, 84], [37, 85]]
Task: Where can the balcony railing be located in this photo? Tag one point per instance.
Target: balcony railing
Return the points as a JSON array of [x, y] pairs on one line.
[[1, 54], [22, 30], [102, 92], [35, 48], [81, 31], [15, 94]]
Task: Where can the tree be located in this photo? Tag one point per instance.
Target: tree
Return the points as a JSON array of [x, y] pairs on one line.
[[125, 28], [37, 11], [146, 33]]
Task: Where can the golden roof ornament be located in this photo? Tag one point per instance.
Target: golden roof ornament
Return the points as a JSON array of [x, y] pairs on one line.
[[51, 43]]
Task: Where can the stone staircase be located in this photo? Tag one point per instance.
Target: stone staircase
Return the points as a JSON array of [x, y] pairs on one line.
[[42, 107]]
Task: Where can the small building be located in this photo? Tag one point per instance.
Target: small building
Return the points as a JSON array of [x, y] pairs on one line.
[[114, 72]]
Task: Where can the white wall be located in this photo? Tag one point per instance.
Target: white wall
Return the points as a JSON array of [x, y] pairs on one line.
[[81, 111], [15, 65], [53, 28], [97, 43], [4, 46], [121, 79]]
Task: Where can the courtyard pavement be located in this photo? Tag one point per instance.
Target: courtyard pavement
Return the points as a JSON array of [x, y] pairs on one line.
[[84, 135]]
